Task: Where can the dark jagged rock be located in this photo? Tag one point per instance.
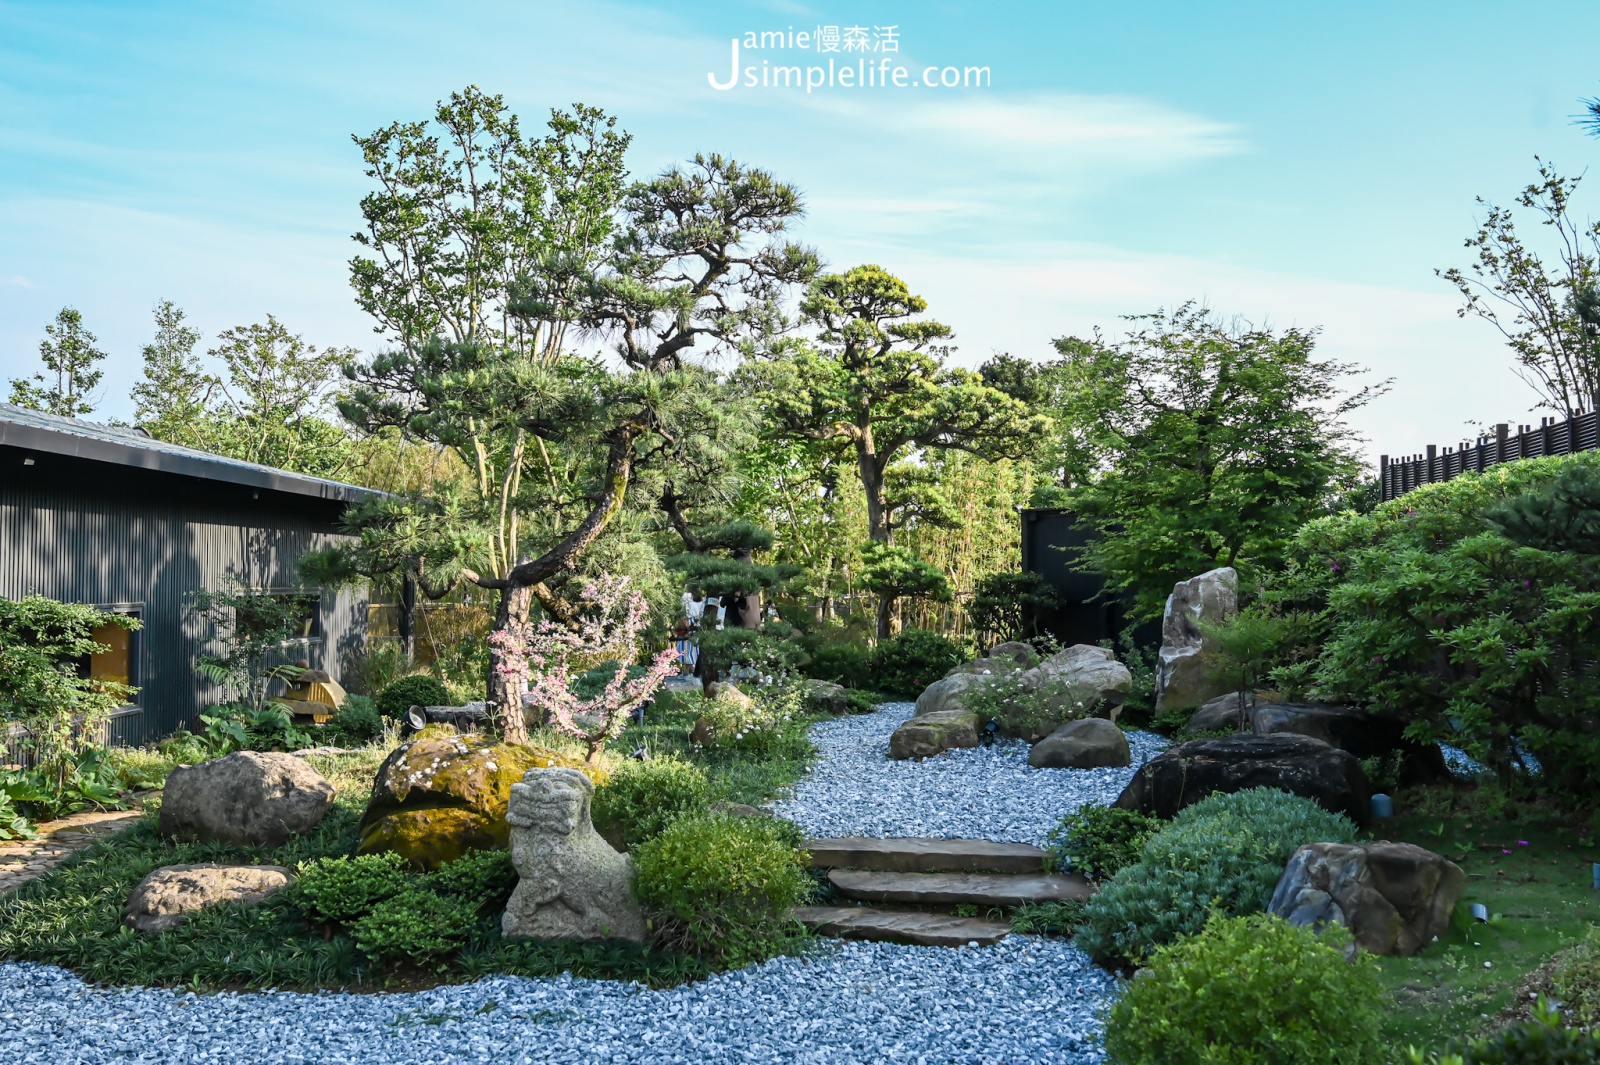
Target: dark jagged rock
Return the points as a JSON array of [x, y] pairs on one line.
[[1301, 765]]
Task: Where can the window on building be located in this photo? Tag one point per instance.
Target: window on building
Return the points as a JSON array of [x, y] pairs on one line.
[[118, 662]]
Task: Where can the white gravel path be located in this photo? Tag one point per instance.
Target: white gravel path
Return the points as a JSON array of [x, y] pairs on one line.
[[1024, 1000], [987, 792]]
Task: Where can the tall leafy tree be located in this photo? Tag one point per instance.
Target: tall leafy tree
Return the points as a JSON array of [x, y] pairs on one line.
[[1215, 442], [71, 370], [1545, 305], [174, 394], [486, 249]]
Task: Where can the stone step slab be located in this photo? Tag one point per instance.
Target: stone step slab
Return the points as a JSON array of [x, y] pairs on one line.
[[955, 889], [901, 926], [926, 855]]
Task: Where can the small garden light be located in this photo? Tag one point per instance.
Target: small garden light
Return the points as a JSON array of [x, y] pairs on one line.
[[1382, 806]]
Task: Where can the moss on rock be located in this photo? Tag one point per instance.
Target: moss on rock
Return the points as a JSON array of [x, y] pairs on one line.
[[443, 794]]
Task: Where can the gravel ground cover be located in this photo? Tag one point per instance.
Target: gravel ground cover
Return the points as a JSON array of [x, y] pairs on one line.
[[1024, 1000], [986, 792]]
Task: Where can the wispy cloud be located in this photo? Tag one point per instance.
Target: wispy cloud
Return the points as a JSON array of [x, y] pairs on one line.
[[15, 281]]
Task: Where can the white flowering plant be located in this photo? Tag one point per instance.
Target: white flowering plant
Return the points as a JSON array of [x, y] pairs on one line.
[[764, 720]]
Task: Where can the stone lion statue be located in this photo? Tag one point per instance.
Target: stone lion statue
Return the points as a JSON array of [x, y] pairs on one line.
[[571, 883]]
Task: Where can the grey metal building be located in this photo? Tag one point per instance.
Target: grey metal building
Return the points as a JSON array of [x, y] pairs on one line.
[[107, 516]]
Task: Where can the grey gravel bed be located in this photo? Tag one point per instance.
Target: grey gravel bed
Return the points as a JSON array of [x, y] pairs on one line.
[[987, 792], [1023, 1000]]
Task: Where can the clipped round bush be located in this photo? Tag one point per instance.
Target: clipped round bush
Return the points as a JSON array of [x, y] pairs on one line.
[[765, 722], [1253, 990], [358, 720], [1098, 841], [721, 887], [644, 797], [419, 689], [414, 925], [1225, 853], [343, 889], [913, 660]]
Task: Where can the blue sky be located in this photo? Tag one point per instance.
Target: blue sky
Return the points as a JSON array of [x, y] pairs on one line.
[[1289, 164]]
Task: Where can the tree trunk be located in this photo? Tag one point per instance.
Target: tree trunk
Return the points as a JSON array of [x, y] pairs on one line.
[[885, 613], [872, 483], [745, 612], [505, 694], [407, 623]]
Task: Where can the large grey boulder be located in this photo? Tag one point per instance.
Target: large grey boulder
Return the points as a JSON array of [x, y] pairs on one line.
[[1183, 678], [1186, 773], [571, 883], [169, 894], [1220, 713], [249, 797], [823, 696], [1081, 681], [949, 693], [1395, 898], [1092, 743], [929, 734]]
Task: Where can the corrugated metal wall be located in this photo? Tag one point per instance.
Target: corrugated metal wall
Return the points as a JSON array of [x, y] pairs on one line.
[[89, 540]]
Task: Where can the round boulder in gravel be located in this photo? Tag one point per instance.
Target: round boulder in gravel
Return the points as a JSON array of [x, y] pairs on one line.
[[1395, 898], [444, 794], [825, 697], [249, 797], [1093, 743], [926, 735], [1081, 681], [165, 897], [1300, 765]]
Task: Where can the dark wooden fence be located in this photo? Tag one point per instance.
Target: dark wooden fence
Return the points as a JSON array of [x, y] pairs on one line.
[[1549, 437]]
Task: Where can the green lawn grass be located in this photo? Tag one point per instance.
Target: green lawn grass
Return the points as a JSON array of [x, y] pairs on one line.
[[1530, 868]]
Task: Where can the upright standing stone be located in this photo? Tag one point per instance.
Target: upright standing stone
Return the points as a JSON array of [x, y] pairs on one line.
[[1182, 676], [572, 884]]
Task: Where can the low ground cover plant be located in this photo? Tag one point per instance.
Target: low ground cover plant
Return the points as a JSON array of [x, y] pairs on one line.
[[1098, 841], [1224, 854], [1543, 1040], [721, 888], [766, 720], [1249, 989]]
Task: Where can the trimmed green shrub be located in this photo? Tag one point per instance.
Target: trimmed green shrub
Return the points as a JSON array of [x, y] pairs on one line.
[[847, 662], [1481, 634], [1225, 853], [415, 924], [343, 889], [721, 887], [1098, 841], [644, 797], [1540, 1041], [1575, 976], [419, 689], [1251, 990], [358, 720], [775, 653], [915, 659]]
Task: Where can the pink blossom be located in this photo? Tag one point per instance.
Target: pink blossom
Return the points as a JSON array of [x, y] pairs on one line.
[[546, 657]]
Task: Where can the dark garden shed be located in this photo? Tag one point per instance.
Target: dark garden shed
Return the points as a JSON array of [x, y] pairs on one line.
[[107, 516]]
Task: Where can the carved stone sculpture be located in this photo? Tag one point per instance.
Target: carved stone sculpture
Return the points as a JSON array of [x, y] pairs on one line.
[[572, 884]]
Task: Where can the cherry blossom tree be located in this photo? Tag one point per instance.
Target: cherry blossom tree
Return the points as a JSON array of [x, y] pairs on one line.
[[545, 658]]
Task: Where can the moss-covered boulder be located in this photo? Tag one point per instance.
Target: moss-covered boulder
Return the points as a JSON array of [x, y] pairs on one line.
[[442, 794]]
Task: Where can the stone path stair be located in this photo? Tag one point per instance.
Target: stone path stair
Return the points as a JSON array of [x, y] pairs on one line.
[[934, 876]]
